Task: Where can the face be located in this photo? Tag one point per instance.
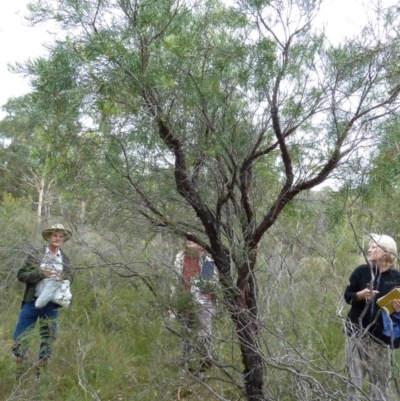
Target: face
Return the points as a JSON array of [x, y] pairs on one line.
[[56, 239], [375, 252], [195, 247]]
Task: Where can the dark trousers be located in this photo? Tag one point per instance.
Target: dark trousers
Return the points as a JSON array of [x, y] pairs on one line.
[[27, 319]]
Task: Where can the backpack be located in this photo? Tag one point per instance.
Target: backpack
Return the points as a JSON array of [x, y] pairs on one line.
[[390, 332]]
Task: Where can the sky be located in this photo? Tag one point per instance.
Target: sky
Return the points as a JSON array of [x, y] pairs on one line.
[[19, 42]]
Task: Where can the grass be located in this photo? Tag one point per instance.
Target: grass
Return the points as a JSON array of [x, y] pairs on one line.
[[113, 344], [109, 347]]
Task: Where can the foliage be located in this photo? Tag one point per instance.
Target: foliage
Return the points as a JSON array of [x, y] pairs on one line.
[[113, 342]]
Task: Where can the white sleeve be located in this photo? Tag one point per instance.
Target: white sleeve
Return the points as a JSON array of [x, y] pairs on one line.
[[178, 265], [178, 269]]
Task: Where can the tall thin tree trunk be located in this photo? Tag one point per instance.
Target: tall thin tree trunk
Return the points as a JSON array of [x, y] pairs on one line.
[[83, 210]]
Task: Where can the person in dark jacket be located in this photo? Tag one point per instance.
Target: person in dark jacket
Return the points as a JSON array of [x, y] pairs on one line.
[[53, 263], [367, 350]]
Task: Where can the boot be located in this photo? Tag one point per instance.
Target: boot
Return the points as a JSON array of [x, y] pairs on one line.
[[21, 367], [205, 364], [41, 367]]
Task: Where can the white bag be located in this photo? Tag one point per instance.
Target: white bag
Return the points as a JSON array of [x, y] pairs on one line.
[[53, 290], [63, 295]]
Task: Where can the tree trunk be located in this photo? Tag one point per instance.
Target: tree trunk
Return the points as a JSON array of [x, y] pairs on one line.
[[83, 211], [40, 201], [241, 300], [252, 361]]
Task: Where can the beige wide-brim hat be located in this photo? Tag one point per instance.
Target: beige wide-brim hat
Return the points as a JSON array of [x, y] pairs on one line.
[[54, 228]]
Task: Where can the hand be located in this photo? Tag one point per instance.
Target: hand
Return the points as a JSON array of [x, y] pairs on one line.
[[52, 274], [396, 305], [366, 294]]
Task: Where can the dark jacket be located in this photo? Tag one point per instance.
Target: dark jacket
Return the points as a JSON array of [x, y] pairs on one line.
[[30, 273], [384, 283]]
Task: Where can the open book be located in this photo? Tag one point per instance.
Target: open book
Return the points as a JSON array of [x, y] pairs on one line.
[[386, 300]]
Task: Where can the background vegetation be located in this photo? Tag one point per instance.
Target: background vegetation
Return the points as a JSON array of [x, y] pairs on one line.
[[117, 343]]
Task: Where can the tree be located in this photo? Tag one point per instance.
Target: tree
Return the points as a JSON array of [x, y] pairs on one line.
[[16, 132], [208, 120], [29, 152]]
